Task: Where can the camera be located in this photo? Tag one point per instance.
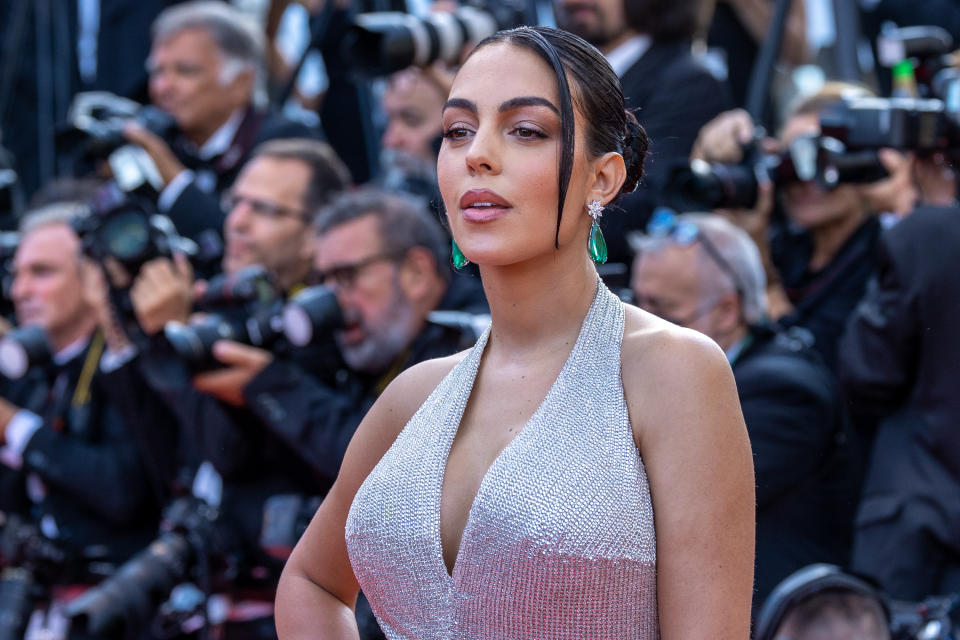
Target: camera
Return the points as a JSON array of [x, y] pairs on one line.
[[311, 315], [23, 348], [383, 42], [128, 230], [251, 284], [305, 319], [96, 119], [9, 241], [699, 185], [913, 124], [129, 598], [32, 563]]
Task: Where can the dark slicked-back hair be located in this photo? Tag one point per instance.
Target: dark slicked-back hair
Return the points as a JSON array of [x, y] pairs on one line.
[[595, 91]]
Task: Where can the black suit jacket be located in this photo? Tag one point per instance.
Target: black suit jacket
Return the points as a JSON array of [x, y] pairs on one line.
[[898, 366], [806, 468], [97, 489], [673, 96], [197, 209]]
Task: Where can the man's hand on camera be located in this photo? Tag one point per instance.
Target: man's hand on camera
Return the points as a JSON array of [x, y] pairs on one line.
[[163, 292], [723, 138], [158, 150], [243, 363]]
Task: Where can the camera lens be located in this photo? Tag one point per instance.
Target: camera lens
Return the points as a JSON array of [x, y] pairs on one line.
[[194, 343], [310, 314], [22, 348], [126, 235]]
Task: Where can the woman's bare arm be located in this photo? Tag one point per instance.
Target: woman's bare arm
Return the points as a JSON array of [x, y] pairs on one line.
[[689, 428], [318, 591]]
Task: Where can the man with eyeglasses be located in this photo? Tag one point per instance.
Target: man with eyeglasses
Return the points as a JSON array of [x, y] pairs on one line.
[[225, 452], [702, 272]]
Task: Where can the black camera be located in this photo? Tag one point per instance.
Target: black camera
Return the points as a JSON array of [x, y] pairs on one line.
[[130, 231], [305, 319], [193, 343], [311, 315], [911, 124], [129, 599], [251, 284], [23, 348], [32, 563], [703, 186], [383, 42], [96, 119]]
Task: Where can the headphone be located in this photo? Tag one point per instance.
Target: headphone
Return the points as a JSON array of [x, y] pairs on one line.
[[806, 582]]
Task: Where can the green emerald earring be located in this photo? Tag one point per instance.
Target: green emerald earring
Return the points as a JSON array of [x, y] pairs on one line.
[[597, 245], [459, 260]]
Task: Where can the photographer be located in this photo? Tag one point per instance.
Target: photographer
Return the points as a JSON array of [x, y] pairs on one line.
[[386, 258], [85, 484], [898, 361], [205, 70], [820, 257], [702, 272]]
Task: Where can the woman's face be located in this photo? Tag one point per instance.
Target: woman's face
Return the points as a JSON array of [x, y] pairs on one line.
[[500, 157], [808, 205]]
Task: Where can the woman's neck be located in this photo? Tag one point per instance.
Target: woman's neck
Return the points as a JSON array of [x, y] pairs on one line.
[[540, 303], [830, 238]]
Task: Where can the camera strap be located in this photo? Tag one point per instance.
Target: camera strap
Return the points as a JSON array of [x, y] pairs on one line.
[[81, 394]]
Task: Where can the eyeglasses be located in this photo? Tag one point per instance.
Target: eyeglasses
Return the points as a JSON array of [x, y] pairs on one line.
[[230, 200], [664, 224], [344, 276]]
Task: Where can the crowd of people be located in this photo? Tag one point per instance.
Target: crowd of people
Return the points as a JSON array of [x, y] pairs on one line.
[[224, 288]]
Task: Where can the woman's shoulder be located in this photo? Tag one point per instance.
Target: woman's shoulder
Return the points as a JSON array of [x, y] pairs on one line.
[[404, 395], [667, 369]]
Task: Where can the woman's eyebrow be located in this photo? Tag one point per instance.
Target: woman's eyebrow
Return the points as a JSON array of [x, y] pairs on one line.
[[512, 103], [527, 101], [461, 103]]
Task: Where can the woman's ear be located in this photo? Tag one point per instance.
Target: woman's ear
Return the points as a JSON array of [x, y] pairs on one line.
[[608, 178]]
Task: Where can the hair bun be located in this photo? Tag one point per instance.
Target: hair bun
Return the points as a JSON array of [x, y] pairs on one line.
[[635, 143]]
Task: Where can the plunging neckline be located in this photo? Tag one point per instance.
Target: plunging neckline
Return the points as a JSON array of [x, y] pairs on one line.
[[475, 361]]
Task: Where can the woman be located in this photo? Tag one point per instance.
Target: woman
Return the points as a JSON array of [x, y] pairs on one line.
[[584, 471]]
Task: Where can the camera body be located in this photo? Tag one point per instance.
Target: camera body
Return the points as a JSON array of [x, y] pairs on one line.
[[129, 598], [247, 308], [702, 186]]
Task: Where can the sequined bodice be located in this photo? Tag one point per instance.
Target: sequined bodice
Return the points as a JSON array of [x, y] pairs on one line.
[[559, 541]]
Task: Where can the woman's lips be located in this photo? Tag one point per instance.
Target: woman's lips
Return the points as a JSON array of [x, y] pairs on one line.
[[483, 214], [483, 205]]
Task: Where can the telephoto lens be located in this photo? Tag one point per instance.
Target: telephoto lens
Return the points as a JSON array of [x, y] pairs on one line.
[[310, 315], [23, 348]]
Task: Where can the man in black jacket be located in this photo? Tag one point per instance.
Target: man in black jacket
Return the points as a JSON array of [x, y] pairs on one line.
[[387, 260], [648, 44], [85, 485], [206, 71], [701, 272], [898, 364]]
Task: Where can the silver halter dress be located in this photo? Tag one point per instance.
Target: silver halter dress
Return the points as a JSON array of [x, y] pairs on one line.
[[559, 541]]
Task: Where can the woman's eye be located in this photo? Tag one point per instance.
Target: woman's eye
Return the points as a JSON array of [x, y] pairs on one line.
[[528, 132], [456, 133]]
